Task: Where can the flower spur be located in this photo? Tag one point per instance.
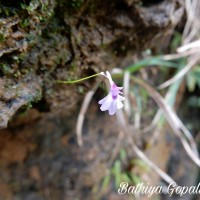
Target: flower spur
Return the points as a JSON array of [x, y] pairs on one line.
[[113, 101]]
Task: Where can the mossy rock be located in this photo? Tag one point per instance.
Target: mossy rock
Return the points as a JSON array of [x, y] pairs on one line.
[[51, 40]]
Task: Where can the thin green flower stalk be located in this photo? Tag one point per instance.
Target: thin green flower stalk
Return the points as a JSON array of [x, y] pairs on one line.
[[79, 80]]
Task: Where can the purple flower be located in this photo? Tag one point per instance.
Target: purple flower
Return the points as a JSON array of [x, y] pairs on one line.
[[113, 101]]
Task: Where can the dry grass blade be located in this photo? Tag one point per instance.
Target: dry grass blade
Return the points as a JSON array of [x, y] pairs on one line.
[[140, 154], [153, 123], [170, 98], [173, 121], [191, 46], [161, 173], [126, 85], [137, 115], [192, 26], [81, 116], [181, 54], [182, 73]]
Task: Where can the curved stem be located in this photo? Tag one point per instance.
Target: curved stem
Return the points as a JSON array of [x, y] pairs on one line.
[[79, 80]]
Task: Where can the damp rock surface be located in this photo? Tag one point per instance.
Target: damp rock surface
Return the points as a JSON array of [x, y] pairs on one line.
[[62, 40]]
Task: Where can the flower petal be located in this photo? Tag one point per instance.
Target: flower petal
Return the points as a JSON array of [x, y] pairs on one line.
[[106, 103], [119, 105], [113, 107], [105, 106], [103, 100], [109, 96], [120, 98], [120, 88]]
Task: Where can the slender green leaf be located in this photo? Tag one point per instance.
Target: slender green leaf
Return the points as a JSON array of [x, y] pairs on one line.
[[117, 173], [136, 179], [106, 181], [158, 61], [122, 154]]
